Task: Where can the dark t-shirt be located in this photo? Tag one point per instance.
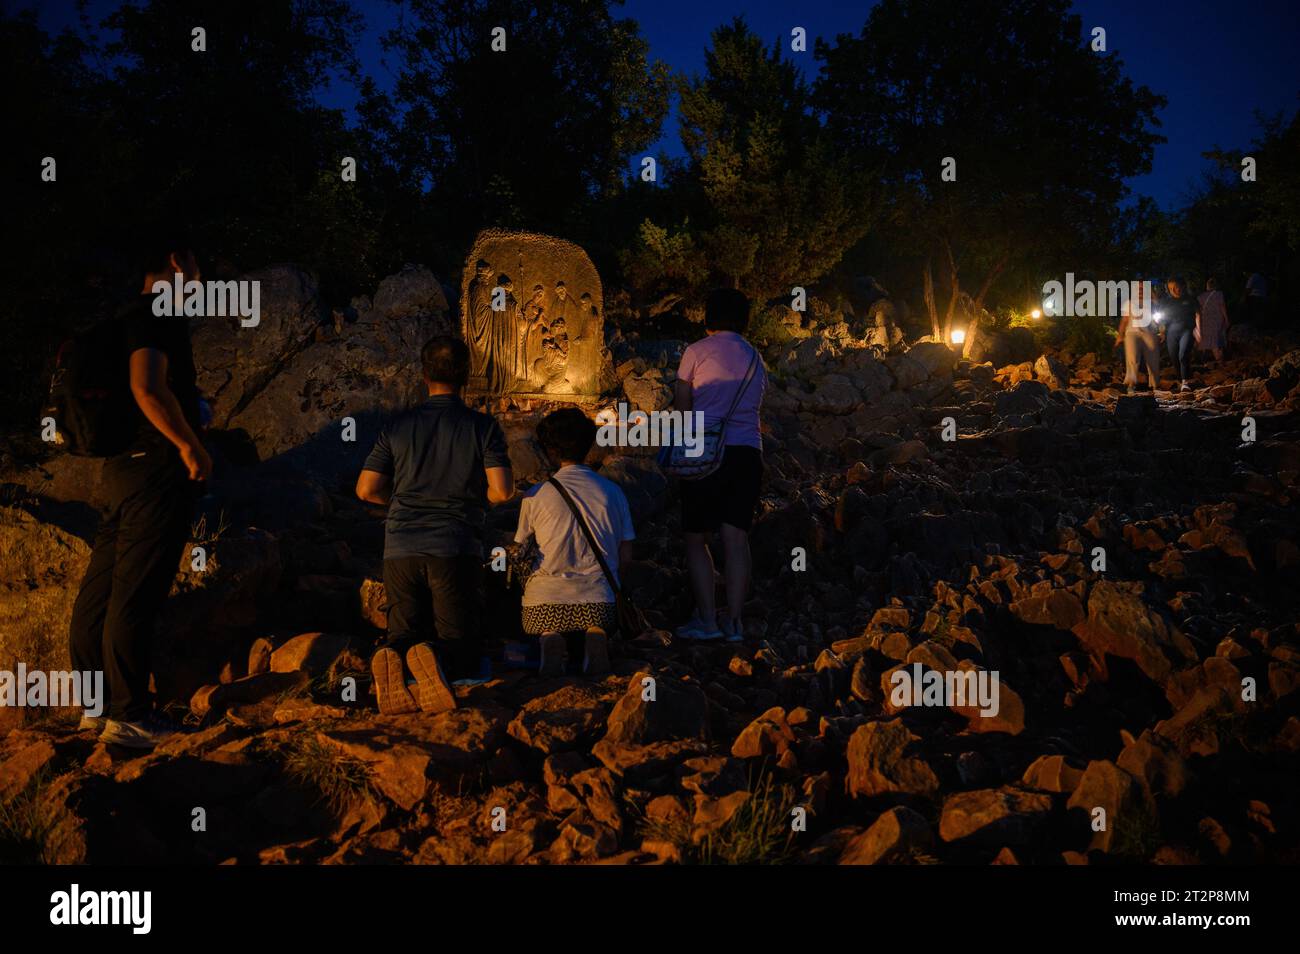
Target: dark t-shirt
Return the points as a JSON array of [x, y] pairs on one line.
[[1180, 312], [141, 328], [436, 454]]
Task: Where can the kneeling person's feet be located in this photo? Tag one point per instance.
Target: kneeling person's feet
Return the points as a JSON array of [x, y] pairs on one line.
[[143, 734], [432, 691], [595, 656], [555, 655], [390, 683]]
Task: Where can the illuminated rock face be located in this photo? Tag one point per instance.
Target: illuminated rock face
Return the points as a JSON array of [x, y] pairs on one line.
[[532, 313]]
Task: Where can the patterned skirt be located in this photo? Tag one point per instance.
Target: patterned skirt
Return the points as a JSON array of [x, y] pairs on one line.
[[569, 617]]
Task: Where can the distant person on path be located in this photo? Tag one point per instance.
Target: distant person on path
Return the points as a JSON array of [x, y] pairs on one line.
[[1212, 323], [710, 379], [151, 487], [1137, 334], [569, 589], [1181, 312], [437, 467], [1256, 298]]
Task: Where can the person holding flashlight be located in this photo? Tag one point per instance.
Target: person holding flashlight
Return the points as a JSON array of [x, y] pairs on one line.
[[1137, 333], [1181, 312]]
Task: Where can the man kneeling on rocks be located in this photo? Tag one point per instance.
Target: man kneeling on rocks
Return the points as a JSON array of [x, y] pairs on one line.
[[437, 467]]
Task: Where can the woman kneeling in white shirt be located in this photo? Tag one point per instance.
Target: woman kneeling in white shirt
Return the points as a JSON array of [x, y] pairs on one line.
[[568, 591]]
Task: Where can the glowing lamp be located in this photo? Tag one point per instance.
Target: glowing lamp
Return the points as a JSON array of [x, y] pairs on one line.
[[1035, 314], [958, 336]]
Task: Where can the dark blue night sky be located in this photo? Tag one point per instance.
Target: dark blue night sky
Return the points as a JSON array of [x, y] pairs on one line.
[[1217, 62]]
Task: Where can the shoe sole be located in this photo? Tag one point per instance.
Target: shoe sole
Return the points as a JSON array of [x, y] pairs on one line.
[[432, 691], [595, 652], [555, 656], [390, 684]]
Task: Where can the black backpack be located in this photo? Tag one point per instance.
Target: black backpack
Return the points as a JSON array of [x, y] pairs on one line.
[[90, 393]]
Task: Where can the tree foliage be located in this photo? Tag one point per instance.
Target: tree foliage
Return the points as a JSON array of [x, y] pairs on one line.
[[532, 136], [1228, 227], [770, 202], [1043, 131]]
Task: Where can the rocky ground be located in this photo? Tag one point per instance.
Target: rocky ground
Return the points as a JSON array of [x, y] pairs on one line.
[[1126, 565]]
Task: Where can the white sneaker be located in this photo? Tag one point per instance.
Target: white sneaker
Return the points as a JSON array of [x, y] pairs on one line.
[[145, 734], [1184, 386], [698, 631]]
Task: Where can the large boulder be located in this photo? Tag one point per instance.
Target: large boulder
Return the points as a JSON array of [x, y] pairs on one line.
[[40, 570], [1027, 397], [413, 293], [882, 761], [992, 817], [647, 391], [1051, 372], [658, 709], [908, 371], [1112, 804], [235, 363], [1119, 623], [288, 383], [894, 834], [832, 394], [936, 357], [807, 355]]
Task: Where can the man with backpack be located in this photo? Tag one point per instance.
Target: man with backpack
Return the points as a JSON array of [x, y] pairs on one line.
[[146, 422]]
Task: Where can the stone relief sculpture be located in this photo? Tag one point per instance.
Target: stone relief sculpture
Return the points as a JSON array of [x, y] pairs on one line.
[[551, 344]]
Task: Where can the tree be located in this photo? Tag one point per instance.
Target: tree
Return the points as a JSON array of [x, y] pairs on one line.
[[55, 107], [1267, 207], [149, 134], [769, 203], [234, 134], [528, 136], [1043, 132]]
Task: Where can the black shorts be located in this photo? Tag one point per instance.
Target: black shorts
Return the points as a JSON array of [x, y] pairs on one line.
[[728, 495]]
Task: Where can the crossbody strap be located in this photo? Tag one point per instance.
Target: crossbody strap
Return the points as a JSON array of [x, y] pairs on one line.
[[744, 386], [586, 532]]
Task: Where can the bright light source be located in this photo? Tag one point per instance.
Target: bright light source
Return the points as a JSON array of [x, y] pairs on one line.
[[1160, 316], [1049, 306], [1035, 314], [958, 336]]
